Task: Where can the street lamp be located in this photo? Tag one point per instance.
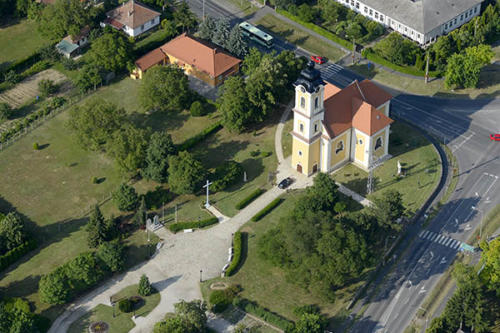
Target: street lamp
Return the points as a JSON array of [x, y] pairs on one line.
[[480, 220], [201, 271]]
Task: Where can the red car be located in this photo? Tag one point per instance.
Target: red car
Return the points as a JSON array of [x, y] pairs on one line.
[[318, 59], [495, 137]]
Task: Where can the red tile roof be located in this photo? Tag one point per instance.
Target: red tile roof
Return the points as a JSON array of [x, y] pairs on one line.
[[132, 14], [200, 54], [355, 106], [150, 59]]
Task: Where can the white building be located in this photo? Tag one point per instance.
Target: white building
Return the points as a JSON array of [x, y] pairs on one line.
[[133, 18], [420, 20]]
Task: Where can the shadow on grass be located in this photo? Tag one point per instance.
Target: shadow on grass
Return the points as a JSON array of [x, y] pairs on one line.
[[213, 154], [160, 120]]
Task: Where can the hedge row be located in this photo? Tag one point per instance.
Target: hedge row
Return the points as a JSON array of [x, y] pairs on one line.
[[36, 68], [267, 209], [264, 314], [16, 253], [237, 247], [21, 124], [176, 227], [21, 64], [317, 29], [246, 201], [194, 140], [369, 54]]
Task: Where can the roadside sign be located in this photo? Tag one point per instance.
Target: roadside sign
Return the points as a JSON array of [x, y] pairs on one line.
[[466, 247]]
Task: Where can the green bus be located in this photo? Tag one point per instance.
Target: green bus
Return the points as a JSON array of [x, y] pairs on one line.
[[256, 34]]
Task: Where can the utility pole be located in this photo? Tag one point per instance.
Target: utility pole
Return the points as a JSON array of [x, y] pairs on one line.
[[175, 213], [203, 10], [371, 167], [353, 50]]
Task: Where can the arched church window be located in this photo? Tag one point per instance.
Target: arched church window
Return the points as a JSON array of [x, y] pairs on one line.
[[378, 143], [316, 103], [302, 102], [301, 127], [340, 147]]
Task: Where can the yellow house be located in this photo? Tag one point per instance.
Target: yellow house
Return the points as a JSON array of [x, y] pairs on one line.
[[334, 126]]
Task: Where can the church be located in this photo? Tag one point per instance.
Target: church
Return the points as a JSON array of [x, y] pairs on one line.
[[333, 126]]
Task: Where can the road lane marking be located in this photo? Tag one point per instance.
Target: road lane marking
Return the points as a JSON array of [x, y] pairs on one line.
[[434, 237], [448, 242]]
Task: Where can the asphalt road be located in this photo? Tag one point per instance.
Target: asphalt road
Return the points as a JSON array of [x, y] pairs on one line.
[[464, 126]]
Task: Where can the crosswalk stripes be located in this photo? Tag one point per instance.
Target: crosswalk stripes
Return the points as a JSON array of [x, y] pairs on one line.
[[440, 239]]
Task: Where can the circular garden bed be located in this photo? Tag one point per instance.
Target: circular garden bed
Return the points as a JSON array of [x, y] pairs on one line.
[[99, 327]]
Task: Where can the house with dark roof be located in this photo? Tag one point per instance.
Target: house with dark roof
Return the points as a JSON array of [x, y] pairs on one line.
[[70, 46], [420, 20], [197, 57], [132, 17], [333, 126]]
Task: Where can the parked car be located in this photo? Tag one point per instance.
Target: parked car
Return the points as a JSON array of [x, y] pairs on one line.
[[318, 59], [495, 137], [285, 183]]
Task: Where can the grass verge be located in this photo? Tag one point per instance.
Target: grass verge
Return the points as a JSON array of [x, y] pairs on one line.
[[20, 40], [300, 37]]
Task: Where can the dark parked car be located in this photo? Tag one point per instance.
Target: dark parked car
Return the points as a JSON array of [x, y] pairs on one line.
[[285, 183]]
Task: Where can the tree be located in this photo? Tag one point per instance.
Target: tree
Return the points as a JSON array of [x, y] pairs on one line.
[[112, 254], [235, 107], [442, 49], [12, 232], [462, 72], [206, 28], [264, 86], [220, 35], [482, 53], [160, 147], [291, 66], [397, 49], [173, 325], [251, 61], [185, 173], [64, 17], [491, 260], [95, 122], [236, 44], [96, 228], [111, 52], [388, 209], [324, 192], [310, 323], [5, 111], [306, 13], [53, 288], [128, 147], [193, 312], [47, 87], [164, 88], [126, 198], [331, 12], [169, 27], [354, 31], [184, 17], [145, 288], [89, 76]]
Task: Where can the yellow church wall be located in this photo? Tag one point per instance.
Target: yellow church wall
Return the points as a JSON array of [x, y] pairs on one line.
[[340, 156], [380, 151], [360, 147], [303, 160], [314, 156]]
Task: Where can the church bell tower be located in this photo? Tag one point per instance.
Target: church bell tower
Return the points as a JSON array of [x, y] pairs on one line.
[[308, 115]]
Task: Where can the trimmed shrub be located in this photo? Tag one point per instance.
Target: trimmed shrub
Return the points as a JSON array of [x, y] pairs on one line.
[[47, 87], [36, 146], [16, 253], [237, 247], [194, 140], [5, 111], [145, 288], [263, 313], [225, 175], [266, 210], [176, 227], [196, 109], [370, 54], [125, 305], [220, 300], [246, 201], [125, 198]]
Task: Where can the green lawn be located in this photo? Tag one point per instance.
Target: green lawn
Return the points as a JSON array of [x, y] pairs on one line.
[[20, 40], [119, 324], [286, 137], [416, 155], [267, 285], [299, 37]]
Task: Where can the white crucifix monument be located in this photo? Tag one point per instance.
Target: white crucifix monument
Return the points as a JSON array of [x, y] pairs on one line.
[[399, 168], [244, 176], [207, 185]]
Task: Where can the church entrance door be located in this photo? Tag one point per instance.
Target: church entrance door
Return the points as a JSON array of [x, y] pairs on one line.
[[299, 168]]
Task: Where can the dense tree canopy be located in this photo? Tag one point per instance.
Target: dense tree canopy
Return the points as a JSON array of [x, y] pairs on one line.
[[88, 77], [237, 111], [463, 69], [128, 147], [64, 17], [16, 317], [189, 317], [96, 228], [186, 173], [95, 122], [397, 49], [13, 232], [236, 43], [160, 147], [388, 209], [112, 52], [206, 28], [164, 88], [491, 260], [220, 35], [126, 198]]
